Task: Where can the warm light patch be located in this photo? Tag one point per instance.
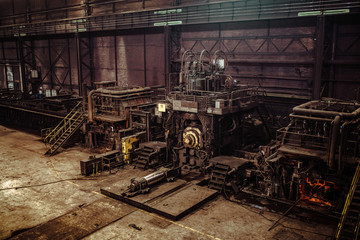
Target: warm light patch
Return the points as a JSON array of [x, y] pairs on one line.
[[315, 191]]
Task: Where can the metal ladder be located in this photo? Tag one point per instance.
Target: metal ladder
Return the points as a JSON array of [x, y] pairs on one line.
[[218, 177], [348, 227], [56, 137]]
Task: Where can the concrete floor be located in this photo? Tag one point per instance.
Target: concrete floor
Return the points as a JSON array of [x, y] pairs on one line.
[[23, 163]]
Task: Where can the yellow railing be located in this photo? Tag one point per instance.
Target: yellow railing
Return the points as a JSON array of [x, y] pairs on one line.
[[45, 132], [348, 201], [53, 136]]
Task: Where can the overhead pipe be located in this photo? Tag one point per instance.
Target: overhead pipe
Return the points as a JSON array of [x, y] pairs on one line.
[[90, 105], [334, 135], [203, 52], [304, 109], [342, 137], [187, 53], [338, 117]]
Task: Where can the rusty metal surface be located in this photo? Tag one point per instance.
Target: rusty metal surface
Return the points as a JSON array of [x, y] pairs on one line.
[[232, 161], [184, 201], [116, 189], [80, 222], [172, 200]]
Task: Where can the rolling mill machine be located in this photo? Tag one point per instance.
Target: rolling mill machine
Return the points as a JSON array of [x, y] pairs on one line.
[[207, 111]]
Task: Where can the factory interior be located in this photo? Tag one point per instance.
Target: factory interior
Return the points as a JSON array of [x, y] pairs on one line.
[[180, 119]]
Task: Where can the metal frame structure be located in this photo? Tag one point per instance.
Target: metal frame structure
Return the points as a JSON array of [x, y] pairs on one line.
[[25, 28], [230, 11]]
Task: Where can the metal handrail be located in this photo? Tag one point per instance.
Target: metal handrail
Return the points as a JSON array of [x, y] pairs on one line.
[[45, 132], [60, 129], [349, 197], [64, 129], [64, 120]]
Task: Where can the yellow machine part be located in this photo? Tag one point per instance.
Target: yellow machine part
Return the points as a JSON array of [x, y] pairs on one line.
[[127, 144], [192, 137]]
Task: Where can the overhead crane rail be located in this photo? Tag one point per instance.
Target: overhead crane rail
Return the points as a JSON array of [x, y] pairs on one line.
[[230, 11]]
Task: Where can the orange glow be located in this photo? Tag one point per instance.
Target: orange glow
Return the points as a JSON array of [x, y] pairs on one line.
[[311, 191]]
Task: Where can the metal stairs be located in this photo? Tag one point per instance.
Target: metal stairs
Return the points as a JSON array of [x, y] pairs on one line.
[[57, 137], [218, 177], [348, 227], [144, 158]]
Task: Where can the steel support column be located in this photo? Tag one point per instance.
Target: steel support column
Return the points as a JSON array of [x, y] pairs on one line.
[[145, 82], [167, 46], [332, 66], [79, 69], [319, 52], [69, 64], [91, 59], [23, 81], [50, 65], [3, 50], [85, 62], [4, 59], [115, 56]]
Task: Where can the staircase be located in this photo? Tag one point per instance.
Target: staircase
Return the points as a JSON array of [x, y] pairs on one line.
[[144, 158], [64, 130], [218, 177], [348, 227]]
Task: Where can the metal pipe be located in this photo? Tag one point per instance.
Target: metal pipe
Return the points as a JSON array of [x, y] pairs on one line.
[[154, 177], [183, 58], [90, 105], [311, 118], [342, 137], [203, 52], [231, 171], [334, 135], [304, 109]]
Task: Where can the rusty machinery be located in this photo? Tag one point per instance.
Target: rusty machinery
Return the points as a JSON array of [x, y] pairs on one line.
[[315, 155], [206, 110], [312, 158], [115, 112], [143, 184]]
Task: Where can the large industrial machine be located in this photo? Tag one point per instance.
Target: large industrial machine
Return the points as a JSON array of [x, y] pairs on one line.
[[210, 114], [314, 158], [115, 112], [144, 184], [206, 111], [214, 130]]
